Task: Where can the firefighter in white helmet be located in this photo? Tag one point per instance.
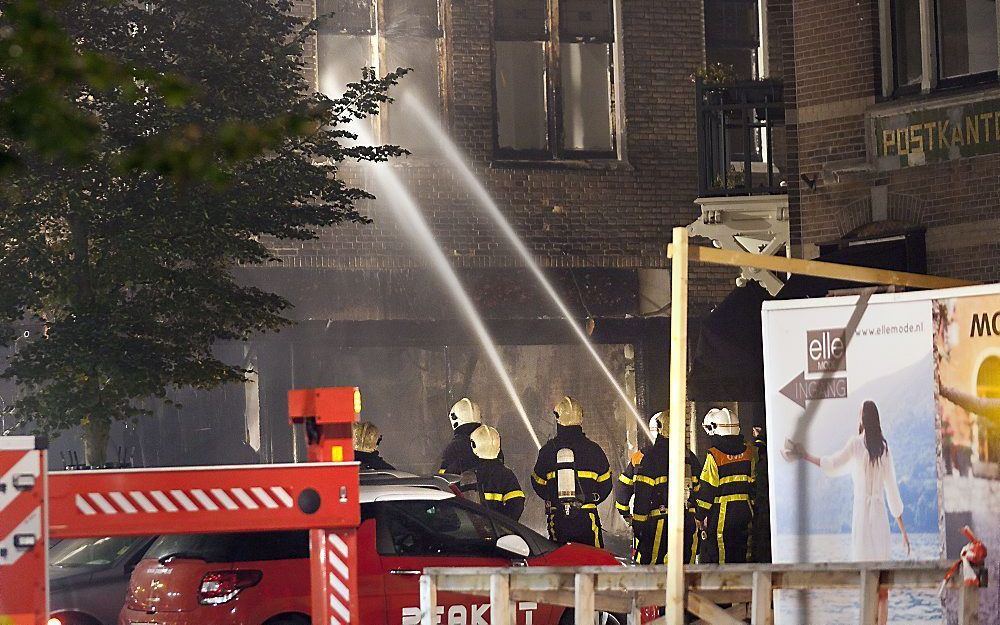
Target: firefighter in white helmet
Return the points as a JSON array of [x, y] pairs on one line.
[[457, 457], [498, 487], [724, 501], [366, 441], [572, 475]]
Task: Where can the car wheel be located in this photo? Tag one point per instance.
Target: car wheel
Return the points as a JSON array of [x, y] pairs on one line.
[[288, 619], [600, 618]]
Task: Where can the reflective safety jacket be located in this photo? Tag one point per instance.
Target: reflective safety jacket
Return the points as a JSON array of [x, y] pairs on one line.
[[499, 489], [725, 499], [651, 481], [372, 461], [590, 464]]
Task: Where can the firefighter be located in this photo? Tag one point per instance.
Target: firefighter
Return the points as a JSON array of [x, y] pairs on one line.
[[572, 476], [366, 441], [625, 486], [649, 512], [498, 487], [725, 506], [457, 457]]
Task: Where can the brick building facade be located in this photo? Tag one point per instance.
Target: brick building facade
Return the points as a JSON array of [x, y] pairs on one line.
[[850, 92]]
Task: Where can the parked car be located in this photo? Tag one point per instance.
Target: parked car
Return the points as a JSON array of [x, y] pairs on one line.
[[88, 577], [263, 578]]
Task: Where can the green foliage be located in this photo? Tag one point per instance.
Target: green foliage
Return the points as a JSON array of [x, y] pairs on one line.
[[157, 145]]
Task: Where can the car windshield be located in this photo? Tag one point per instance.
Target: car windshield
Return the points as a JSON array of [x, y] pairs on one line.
[[102, 551], [233, 547]]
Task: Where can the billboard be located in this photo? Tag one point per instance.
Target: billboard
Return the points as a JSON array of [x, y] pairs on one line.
[[868, 459]]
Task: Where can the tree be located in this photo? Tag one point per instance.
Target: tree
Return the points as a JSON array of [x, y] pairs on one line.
[[122, 249]]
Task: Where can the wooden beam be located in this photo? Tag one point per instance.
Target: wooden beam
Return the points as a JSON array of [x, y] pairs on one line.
[[968, 604], [869, 597], [738, 612], [817, 268], [708, 611], [762, 610], [584, 607], [502, 612], [428, 600], [677, 428]]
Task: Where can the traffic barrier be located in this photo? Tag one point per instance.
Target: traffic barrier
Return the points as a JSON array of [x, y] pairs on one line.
[[318, 496]]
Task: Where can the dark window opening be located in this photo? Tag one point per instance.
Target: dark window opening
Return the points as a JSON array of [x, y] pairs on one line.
[[554, 93], [906, 43], [385, 35], [967, 37]]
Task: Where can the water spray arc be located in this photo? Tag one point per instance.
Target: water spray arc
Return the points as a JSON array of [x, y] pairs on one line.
[[456, 158], [398, 199]]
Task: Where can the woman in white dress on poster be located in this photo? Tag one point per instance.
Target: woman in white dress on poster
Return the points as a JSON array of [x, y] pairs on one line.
[[868, 460]]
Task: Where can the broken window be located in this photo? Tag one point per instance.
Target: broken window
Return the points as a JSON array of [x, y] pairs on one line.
[[384, 35], [575, 63], [519, 75]]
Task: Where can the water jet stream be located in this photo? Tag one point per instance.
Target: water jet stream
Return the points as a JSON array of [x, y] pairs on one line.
[[401, 202], [456, 157]]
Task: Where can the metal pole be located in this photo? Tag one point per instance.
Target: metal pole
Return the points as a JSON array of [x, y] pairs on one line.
[[678, 403]]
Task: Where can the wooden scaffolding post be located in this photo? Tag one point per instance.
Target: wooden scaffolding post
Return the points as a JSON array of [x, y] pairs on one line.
[[675, 609]]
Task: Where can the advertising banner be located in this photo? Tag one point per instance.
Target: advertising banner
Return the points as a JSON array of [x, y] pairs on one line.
[[883, 418], [852, 448]]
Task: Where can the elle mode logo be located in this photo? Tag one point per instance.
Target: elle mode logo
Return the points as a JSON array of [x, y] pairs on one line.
[[826, 350]]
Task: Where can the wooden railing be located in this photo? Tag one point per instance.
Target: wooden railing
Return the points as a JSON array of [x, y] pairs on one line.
[[627, 590]]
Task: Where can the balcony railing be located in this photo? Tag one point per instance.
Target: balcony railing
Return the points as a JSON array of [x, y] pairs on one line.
[[737, 147]]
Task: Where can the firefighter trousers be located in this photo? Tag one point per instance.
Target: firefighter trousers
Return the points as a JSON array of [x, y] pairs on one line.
[[728, 533], [651, 540], [581, 525]]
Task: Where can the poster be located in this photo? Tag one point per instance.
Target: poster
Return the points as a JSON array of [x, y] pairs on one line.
[[852, 454], [967, 370]]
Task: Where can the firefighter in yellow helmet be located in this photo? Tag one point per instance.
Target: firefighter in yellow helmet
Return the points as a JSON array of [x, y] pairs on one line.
[[724, 499], [366, 440], [572, 475], [457, 457], [498, 487], [649, 510]]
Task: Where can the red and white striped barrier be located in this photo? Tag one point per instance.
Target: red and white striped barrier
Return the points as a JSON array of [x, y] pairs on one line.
[[23, 541]]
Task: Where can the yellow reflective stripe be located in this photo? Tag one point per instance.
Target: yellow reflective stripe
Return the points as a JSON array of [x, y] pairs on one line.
[[514, 494], [625, 480], [621, 506], [440, 471], [718, 533], [538, 480], [597, 532], [704, 504], [651, 480], [656, 542], [729, 498], [589, 506], [492, 496], [729, 479], [592, 475], [640, 517], [710, 473], [604, 477]]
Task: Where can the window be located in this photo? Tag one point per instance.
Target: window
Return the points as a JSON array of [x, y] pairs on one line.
[[384, 35], [554, 79], [732, 36], [958, 46], [435, 528]]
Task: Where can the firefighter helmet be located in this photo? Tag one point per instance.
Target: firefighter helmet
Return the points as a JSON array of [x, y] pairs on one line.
[[721, 422], [656, 424], [366, 436], [568, 412], [485, 442], [465, 411]]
